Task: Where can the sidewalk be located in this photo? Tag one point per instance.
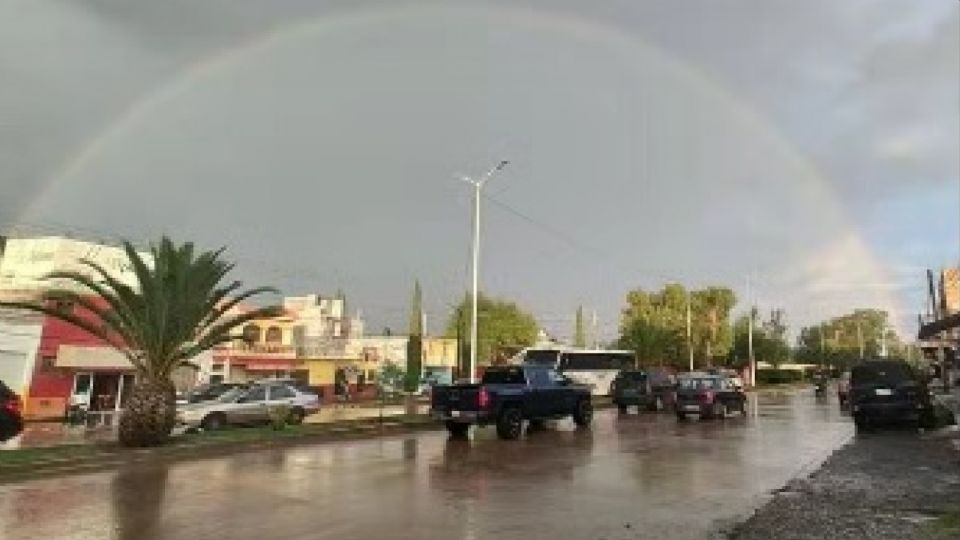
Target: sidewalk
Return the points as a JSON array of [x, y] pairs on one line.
[[47, 434], [889, 484]]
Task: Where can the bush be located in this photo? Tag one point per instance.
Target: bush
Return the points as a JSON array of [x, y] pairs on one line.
[[279, 416], [778, 376]]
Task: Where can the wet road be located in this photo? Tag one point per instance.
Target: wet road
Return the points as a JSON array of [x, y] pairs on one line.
[[635, 476]]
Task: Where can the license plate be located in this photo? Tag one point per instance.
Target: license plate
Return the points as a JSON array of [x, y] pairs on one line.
[[692, 408], [883, 392], [455, 414]]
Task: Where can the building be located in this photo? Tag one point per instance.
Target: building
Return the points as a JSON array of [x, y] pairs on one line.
[[264, 349], [939, 335], [27, 261]]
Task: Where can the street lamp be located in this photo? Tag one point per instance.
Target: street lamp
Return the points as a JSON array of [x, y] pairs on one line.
[[477, 186]]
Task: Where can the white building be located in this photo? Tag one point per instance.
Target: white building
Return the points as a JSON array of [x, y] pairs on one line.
[[25, 262]]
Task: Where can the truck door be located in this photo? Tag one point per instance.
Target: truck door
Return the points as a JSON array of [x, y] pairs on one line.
[[541, 398]]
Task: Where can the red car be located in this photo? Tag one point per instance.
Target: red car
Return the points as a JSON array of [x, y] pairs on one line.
[[11, 417]]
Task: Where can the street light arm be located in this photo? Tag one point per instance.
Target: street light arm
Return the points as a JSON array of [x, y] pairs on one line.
[[496, 168]]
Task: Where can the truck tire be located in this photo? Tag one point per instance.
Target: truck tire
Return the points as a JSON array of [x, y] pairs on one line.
[[622, 409], [510, 424], [681, 416], [583, 413], [457, 430]]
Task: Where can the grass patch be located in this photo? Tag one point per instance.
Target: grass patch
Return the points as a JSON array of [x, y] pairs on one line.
[[946, 526], [49, 454]]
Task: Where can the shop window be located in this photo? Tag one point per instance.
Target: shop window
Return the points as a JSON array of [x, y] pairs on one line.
[[274, 335]]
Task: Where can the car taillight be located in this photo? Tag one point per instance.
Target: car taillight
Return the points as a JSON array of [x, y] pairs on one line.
[[708, 396], [13, 405], [483, 398]]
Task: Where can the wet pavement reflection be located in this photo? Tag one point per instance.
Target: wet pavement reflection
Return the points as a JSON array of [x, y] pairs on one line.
[[633, 476]]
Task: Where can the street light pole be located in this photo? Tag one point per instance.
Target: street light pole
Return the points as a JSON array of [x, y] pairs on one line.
[[477, 186]]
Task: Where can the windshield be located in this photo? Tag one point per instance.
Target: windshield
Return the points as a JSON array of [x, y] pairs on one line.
[[545, 358], [698, 384]]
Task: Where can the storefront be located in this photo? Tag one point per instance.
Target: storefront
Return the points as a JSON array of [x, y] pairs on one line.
[[102, 378]]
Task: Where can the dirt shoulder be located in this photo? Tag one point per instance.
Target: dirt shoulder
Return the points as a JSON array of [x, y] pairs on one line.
[[894, 484]]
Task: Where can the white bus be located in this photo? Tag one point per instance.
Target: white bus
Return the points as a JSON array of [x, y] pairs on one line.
[[595, 369]]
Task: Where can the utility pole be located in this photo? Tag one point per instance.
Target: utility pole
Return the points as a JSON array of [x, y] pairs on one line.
[[595, 335], [477, 186], [860, 338], [750, 359], [689, 331]]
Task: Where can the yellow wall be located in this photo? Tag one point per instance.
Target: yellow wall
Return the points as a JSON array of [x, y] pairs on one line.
[[322, 371], [439, 352]]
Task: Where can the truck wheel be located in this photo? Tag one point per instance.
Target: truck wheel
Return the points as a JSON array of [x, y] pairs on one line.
[[457, 429], [583, 414], [681, 416], [622, 409], [510, 424]]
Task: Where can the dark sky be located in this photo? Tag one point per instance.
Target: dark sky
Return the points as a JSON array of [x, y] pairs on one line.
[[810, 146]]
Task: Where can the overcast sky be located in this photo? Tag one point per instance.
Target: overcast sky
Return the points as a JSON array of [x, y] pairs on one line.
[[810, 146]]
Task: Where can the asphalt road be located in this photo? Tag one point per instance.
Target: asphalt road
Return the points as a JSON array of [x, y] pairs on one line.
[[634, 476]]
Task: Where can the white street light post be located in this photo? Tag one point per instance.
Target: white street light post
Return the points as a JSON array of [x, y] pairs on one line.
[[477, 186]]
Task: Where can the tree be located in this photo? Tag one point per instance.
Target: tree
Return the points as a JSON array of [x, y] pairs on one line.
[[502, 325], [415, 340], [179, 308], [711, 333], [392, 376], [838, 341], [654, 324], [769, 340], [579, 334]]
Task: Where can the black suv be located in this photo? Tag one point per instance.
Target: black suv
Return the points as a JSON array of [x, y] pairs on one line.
[[640, 389], [888, 390], [11, 419]]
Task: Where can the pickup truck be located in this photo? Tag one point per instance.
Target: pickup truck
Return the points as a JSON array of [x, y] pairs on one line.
[[508, 395]]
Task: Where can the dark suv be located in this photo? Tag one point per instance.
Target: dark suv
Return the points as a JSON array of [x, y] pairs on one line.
[[11, 419], [888, 390], [641, 389]]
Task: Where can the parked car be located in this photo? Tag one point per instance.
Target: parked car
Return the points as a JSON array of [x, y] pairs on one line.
[[508, 395], [245, 406], [207, 392], [11, 417], [634, 387], [708, 396], [888, 391], [843, 388]]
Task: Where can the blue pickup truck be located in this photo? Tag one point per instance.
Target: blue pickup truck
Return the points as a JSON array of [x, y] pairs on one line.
[[508, 395]]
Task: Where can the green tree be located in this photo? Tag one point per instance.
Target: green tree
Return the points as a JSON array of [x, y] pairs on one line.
[[502, 325], [769, 340], [837, 342], [415, 339], [653, 324], [179, 308], [392, 377], [711, 333], [579, 334]]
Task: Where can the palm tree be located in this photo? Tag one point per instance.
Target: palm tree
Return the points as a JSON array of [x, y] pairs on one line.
[[179, 308]]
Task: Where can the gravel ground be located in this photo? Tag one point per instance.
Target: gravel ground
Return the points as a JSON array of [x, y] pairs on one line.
[[888, 485]]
